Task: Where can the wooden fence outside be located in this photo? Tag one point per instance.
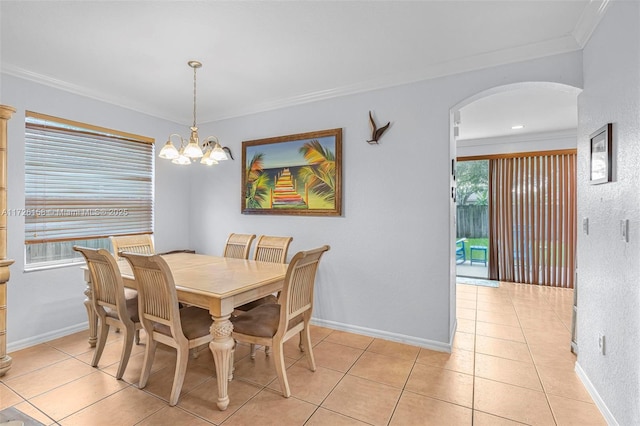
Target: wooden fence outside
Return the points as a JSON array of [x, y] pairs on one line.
[[472, 221]]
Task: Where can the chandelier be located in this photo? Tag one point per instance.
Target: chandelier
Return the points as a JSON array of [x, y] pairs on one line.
[[190, 151]]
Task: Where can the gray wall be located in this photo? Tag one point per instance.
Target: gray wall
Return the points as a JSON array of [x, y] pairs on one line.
[[46, 304], [388, 272], [608, 268]]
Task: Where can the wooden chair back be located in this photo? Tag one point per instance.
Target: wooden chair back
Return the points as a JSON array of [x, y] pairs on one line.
[[272, 249], [238, 245], [142, 244], [157, 296], [107, 287], [296, 298]]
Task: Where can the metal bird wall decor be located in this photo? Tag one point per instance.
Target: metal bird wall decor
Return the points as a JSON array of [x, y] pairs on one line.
[[375, 132]]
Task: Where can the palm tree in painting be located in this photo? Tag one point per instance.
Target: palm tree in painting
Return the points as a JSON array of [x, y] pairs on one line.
[[320, 175], [257, 188]]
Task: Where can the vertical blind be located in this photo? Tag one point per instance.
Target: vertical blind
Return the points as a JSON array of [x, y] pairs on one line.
[[532, 219], [84, 181]]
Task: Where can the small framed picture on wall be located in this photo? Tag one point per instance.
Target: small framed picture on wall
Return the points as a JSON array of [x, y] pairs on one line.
[[601, 144]]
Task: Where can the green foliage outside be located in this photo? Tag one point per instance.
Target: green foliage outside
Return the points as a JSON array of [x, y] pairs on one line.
[[472, 177]]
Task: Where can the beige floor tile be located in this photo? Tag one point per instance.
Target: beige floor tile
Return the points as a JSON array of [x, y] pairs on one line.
[[464, 341], [50, 377], [560, 381], [484, 419], [260, 370], [270, 408], [73, 344], [324, 417], [349, 339], [127, 407], [34, 413], [318, 334], [495, 298], [466, 296], [545, 323], [33, 358], [172, 416], [550, 337], [468, 314], [160, 383], [67, 399], [458, 360], [466, 326], [8, 397], [498, 318], [507, 371], [111, 353], [399, 350], [442, 384], [336, 357], [503, 348], [414, 409], [202, 400], [500, 331], [466, 288], [363, 400], [385, 369], [569, 412], [466, 304], [512, 402], [559, 355], [307, 385], [495, 307]]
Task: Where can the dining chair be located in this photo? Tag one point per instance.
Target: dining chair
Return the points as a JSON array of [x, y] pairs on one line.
[[162, 319], [268, 249], [141, 243], [114, 304], [238, 245], [272, 249], [272, 324]]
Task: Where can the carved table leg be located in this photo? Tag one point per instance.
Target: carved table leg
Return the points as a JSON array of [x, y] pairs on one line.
[[92, 317], [221, 347]]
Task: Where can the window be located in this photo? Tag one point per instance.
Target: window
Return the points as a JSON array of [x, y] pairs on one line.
[[82, 184]]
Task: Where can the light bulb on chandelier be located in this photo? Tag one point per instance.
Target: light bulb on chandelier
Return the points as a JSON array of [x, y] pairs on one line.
[[210, 153]]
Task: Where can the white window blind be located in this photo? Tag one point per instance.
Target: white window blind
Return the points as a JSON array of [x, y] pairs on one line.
[[84, 182]]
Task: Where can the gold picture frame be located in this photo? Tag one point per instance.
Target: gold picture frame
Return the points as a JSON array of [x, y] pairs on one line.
[[299, 174]]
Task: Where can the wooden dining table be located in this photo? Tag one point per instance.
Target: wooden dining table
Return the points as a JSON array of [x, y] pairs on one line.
[[218, 284]]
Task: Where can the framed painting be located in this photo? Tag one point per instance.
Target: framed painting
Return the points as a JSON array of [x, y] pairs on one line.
[[293, 175], [601, 144]]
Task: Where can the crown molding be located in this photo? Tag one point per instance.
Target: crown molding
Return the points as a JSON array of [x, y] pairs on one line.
[[523, 138], [589, 20], [486, 60]]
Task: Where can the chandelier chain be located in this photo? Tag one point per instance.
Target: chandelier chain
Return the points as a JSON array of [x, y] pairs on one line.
[[194, 96]]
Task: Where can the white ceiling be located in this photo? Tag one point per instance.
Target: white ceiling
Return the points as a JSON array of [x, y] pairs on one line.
[[263, 55]]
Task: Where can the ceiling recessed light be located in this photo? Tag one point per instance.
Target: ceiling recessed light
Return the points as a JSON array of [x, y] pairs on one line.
[[517, 127]]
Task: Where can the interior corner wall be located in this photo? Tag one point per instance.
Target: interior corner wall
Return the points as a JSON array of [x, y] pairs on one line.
[[608, 267], [48, 303], [388, 271]]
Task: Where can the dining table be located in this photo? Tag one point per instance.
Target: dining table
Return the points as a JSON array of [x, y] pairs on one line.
[[216, 283]]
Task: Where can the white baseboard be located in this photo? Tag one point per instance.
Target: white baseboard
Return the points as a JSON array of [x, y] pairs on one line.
[[395, 337], [604, 410], [36, 340]]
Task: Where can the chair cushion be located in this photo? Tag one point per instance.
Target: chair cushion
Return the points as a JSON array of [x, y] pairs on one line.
[[261, 321], [196, 322], [262, 301], [131, 300]]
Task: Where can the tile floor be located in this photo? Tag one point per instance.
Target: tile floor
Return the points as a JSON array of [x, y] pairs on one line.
[[510, 365]]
